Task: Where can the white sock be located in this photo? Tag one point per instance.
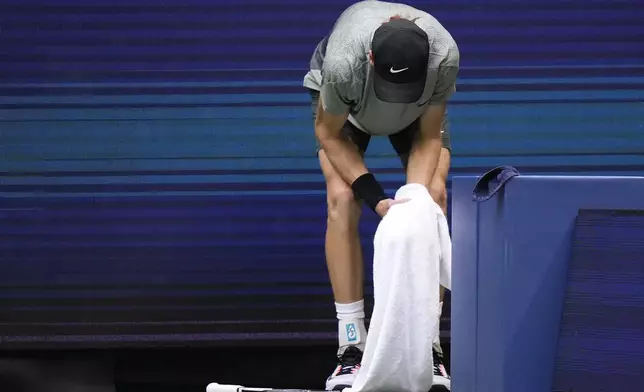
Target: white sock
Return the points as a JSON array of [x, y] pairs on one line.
[[351, 328]]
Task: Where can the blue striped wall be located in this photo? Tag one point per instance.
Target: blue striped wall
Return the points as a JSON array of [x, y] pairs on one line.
[[158, 181]]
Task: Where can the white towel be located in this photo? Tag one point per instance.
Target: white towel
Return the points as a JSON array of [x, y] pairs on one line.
[[412, 255]]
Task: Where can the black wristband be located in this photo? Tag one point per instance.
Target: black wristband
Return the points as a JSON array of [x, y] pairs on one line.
[[367, 188]]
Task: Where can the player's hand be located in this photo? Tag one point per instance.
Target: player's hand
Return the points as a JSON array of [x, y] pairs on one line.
[[384, 205]]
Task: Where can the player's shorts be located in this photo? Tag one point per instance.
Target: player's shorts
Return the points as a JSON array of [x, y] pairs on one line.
[[401, 141]]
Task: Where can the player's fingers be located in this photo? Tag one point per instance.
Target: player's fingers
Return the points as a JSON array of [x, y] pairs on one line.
[[399, 201]]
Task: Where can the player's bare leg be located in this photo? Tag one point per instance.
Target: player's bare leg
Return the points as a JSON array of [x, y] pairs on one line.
[[346, 271]]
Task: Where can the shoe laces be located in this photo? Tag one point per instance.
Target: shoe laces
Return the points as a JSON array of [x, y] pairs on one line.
[[438, 363], [350, 359]]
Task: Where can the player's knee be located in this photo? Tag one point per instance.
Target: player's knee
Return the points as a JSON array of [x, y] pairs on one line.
[[342, 206]]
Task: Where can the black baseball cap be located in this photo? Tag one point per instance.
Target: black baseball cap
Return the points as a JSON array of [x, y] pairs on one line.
[[400, 55]]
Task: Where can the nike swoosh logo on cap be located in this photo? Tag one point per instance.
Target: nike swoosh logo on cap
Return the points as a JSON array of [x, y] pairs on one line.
[[395, 71]]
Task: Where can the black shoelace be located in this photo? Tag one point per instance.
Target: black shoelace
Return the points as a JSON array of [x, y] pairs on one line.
[[438, 361], [350, 358]]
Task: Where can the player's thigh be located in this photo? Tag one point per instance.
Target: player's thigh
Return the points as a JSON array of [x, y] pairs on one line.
[[334, 181], [341, 201], [340, 196]]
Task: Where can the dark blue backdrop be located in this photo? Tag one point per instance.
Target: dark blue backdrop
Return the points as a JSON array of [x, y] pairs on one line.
[[158, 181]]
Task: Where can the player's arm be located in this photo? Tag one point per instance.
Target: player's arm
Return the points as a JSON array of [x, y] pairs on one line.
[[442, 169], [424, 158], [339, 149], [426, 150], [332, 113]]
